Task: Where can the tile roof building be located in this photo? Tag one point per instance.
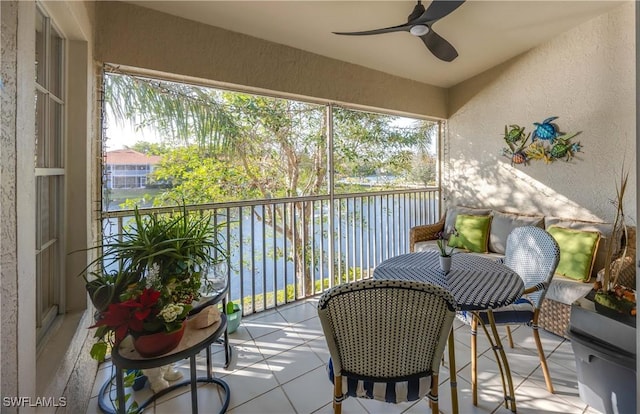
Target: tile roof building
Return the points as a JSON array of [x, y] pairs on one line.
[[126, 168]]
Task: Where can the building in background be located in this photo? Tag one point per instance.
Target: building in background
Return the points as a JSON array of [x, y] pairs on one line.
[[126, 168]]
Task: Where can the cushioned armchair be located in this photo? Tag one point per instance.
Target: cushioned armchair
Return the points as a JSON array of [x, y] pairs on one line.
[[386, 339]]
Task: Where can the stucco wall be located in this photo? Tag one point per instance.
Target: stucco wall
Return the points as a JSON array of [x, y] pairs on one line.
[[63, 367], [8, 219], [586, 77], [144, 38]]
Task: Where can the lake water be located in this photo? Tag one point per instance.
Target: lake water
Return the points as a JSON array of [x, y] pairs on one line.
[[365, 232]]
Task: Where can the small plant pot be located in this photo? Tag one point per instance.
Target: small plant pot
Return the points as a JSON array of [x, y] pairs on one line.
[[156, 344], [233, 319], [445, 264]]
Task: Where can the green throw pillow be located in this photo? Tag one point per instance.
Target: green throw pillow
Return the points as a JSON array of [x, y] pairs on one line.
[[473, 233], [577, 248]]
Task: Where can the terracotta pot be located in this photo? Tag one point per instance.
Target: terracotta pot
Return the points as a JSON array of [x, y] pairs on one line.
[[157, 344]]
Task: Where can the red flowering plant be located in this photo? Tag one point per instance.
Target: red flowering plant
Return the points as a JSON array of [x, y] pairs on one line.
[[160, 261]]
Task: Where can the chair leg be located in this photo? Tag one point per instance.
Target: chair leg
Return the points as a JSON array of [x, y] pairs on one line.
[[509, 337], [337, 394], [474, 361], [433, 395], [543, 359]]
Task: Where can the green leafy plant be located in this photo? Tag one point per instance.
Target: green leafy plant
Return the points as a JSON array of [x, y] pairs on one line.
[[161, 260], [231, 308]]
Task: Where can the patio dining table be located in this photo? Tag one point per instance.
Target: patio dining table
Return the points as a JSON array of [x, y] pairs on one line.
[[477, 284]]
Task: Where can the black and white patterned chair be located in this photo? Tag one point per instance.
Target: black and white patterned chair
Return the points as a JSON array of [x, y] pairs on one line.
[[386, 339], [533, 254]]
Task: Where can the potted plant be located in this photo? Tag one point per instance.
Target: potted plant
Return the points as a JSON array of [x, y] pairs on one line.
[[160, 260], [608, 292], [234, 315], [445, 254]]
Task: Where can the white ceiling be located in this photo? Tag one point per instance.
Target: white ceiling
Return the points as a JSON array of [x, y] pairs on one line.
[[485, 33]]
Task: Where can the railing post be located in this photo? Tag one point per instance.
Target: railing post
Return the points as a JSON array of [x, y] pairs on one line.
[[331, 210]]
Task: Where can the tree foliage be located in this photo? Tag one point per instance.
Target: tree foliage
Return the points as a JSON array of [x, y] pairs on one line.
[[220, 146]]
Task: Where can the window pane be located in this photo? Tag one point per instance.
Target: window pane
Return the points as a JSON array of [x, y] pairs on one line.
[[40, 48], [374, 152], [43, 214], [47, 265], [55, 141], [41, 144], [55, 64]]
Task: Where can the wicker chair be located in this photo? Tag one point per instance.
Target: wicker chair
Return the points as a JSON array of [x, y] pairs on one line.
[[386, 339], [533, 254]]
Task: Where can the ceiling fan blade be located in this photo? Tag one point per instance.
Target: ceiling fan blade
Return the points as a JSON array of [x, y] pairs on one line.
[[438, 9], [441, 49], [399, 28]]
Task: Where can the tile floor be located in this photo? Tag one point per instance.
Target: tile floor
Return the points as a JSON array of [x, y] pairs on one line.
[[278, 366]]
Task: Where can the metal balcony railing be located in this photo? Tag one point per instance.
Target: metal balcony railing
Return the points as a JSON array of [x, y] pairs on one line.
[[287, 249]]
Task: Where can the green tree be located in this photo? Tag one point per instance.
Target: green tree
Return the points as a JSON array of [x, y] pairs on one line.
[[224, 146], [148, 148]]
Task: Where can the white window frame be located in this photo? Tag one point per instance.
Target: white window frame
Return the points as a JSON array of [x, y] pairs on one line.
[[47, 310]]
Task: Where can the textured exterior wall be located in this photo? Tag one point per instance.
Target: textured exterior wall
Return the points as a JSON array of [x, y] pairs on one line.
[[65, 367], [144, 38], [586, 77], [8, 220]]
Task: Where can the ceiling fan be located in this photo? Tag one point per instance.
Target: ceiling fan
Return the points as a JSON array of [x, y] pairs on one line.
[[419, 23]]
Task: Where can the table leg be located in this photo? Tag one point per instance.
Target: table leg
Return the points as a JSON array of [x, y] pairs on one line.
[[474, 359], [194, 385], [227, 348], [452, 374], [209, 367], [505, 362], [120, 391]]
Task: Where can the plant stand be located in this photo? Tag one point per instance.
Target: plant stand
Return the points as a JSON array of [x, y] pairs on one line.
[[125, 357]]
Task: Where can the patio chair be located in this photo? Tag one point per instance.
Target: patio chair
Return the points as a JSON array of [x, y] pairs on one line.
[[533, 254], [386, 339]]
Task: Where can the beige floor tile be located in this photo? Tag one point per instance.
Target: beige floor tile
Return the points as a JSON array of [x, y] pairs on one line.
[[310, 392], [271, 402], [242, 356], [278, 341], [261, 325], [295, 313], [294, 363], [209, 401], [308, 330], [487, 402], [249, 383], [240, 335], [103, 375], [489, 375], [349, 406], [93, 408], [563, 355], [380, 407], [319, 346], [534, 399], [565, 385], [279, 366]]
